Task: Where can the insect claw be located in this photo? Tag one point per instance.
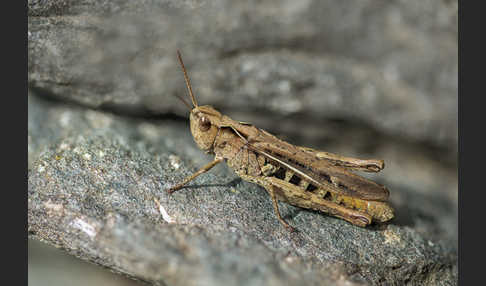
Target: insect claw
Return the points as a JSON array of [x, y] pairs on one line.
[[291, 228]]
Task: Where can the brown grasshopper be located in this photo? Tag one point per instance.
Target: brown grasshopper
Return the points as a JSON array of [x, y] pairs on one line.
[[299, 176]]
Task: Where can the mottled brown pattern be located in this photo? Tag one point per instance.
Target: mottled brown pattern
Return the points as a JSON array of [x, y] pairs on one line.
[[300, 176]]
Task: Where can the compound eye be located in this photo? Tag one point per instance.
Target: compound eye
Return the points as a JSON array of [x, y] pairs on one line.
[[204, 124]]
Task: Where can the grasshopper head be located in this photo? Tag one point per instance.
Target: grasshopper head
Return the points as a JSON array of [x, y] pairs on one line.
[[204, 126]]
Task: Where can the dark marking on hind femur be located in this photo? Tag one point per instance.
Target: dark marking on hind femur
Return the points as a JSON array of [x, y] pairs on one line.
[[295, 180], [328, 196], [280, 174], [311, 188]]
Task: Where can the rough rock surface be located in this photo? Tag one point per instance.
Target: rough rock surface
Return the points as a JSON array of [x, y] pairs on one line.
[[92, 189], [106, 136]]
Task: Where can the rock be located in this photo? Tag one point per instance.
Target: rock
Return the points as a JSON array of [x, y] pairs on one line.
[[49, 122], [50, 266], [390, 66], [92, 181], [106, 137]]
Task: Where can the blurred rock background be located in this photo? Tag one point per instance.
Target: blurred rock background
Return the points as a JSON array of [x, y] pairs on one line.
[[370, 79]]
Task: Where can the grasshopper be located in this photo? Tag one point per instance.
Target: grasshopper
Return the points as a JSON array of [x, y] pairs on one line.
[[299, 176]]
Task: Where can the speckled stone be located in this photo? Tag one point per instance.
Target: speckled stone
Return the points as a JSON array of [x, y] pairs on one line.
[[92, 192]]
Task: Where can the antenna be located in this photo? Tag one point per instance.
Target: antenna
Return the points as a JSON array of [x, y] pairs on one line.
[[188, 83], [183, 101]]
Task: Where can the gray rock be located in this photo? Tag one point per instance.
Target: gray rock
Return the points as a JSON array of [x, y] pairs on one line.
[[106, 136], [388, 65], [48, 266], [93, 178]]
